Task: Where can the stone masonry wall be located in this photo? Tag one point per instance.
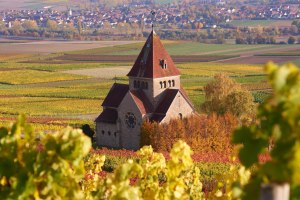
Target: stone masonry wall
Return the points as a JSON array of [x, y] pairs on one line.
[[130, 137], [179, 108], [107, 135]]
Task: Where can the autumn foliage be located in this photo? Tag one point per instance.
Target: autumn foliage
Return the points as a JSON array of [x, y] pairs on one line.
[[224, 94], [205, 134]]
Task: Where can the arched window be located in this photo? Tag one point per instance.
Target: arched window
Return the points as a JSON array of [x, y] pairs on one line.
[[165, 84], [103, 132], [173, 83], [169, 83], [146, 85], [143, 85], [138, 84], [180, 115], [134, 84], [115, 134], [109, 133], [161, 84]]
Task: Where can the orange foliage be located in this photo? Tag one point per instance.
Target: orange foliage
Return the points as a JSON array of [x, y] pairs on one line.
[[210, 133]]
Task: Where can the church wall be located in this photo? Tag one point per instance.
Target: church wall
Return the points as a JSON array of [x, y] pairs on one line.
[[130, 137], [179, 106], [107, 135]]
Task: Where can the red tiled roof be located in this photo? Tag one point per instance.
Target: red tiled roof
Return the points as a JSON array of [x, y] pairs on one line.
[[115, 95], [148, 63], [141, 101], [166, 102], [184, 94], [108, 116]]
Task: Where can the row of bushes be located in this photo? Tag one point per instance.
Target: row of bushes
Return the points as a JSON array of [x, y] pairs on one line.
[[203, 133]]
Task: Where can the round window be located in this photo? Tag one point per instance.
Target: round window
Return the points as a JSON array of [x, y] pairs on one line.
[[130, 120]]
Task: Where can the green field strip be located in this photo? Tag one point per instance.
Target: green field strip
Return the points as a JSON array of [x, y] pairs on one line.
[[295, 52], [252, 79], [179, 48], [12, 65], [184, 48], [254, 49], [195, 48], [109, 50]]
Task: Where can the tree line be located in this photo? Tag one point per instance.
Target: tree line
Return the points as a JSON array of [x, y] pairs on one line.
[[194, 32]]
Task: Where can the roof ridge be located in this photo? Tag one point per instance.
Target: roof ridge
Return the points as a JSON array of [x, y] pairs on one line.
[[160, 109], [186, 97], [115, 95], [120, 84]]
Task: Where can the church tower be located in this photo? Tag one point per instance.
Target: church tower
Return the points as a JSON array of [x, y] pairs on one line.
[[154, 71], [153, 93]]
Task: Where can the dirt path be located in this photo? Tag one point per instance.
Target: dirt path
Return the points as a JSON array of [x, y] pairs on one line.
[[262, 51], [105, 73], [46, 47], [227, 50]]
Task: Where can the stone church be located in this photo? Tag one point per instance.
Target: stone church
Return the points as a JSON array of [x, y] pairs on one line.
[[154, 93]]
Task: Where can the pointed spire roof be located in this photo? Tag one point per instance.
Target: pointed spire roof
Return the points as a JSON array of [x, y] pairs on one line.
[[153, 61]]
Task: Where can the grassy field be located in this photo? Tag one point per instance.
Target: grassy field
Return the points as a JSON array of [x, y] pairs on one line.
[[55, 94], [204, 49], [179, 48], [283, 53]]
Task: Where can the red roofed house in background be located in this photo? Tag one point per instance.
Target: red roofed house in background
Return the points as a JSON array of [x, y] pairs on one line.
[[153, 93]]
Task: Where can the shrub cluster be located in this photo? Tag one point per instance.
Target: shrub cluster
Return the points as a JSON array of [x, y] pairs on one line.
[[203, 133]]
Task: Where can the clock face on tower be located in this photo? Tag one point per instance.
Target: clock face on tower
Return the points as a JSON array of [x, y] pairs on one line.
[[130, 120]]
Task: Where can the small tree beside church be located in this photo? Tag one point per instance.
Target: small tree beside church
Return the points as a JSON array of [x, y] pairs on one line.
[[223, 95]]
